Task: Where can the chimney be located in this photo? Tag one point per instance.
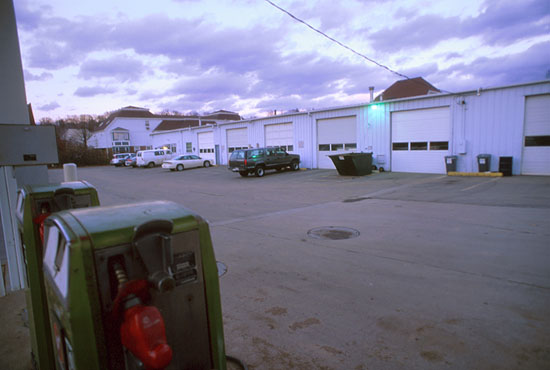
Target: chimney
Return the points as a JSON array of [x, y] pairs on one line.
[[371, 90]]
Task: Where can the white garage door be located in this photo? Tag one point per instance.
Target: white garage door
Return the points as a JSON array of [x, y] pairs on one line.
[[206, 146], [335, 136], [420, 140], [536, 142], [281, 135], [237, 138]]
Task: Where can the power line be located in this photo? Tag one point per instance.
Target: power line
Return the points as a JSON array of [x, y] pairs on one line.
[[336, 41]]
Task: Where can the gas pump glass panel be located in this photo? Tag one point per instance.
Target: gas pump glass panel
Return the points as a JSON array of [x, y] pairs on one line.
[[56, 260]]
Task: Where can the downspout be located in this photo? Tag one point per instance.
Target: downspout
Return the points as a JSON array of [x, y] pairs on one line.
[[314, 140]]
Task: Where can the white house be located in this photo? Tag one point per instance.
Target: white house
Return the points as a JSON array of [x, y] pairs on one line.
[[129, 129]]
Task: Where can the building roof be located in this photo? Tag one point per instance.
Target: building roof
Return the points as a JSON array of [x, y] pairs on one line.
[[223, 115], [408, 88], [172, 124]]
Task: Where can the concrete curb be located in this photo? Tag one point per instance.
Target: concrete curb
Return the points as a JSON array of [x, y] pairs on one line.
[[478, 174]]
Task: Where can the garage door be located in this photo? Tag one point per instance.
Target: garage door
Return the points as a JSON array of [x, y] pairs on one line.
[[536, 141], [335, 136], [237, 138], [420, 140], [281, 135], [206, 146]]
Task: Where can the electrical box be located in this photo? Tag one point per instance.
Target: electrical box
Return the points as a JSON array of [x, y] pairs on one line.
[[133, 287], [26, 145], [34, 204]]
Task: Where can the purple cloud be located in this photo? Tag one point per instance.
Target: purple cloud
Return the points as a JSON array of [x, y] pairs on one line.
[[49, 106], [498, 24], [89, 91], [119, 67], [29, 76]]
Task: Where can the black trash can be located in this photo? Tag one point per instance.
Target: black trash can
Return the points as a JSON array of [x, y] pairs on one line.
[[450, 163], [484, 162], [505, 165], [353, 164]]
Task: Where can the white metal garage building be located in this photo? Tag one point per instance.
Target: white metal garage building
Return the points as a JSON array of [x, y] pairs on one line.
[[405, 135]]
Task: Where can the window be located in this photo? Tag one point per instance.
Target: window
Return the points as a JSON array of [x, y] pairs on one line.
[[173, 148], [350, 146], [255, 153], [335, 147], [400, 146], [188, 147], [537, 140], [439, 145], [420, 145], [324, 147], [121, 136], [147, 125], [290, 148]]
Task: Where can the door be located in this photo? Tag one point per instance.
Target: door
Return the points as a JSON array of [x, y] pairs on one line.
[[335, 136], [206, 146], [237, 138], [420, 140], [280, 135], [536, 137]]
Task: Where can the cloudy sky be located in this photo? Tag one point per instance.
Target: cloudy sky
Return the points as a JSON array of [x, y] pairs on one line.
[[90, 57]]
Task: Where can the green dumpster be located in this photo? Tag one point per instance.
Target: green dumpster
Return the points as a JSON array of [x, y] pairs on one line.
[[353, 164]]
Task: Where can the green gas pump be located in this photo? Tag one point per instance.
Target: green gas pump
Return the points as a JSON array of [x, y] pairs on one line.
[[34, 204], [133, 287]]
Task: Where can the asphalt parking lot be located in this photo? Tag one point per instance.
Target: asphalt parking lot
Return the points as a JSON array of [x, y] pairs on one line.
[[442, 273]]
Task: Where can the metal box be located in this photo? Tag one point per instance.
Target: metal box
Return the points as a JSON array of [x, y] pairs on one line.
[[26, 145]]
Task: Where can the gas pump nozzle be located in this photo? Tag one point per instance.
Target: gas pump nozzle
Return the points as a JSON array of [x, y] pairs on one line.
[[142, 330]]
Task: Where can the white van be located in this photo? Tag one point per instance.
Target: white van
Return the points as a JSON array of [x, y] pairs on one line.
[[153, 157]]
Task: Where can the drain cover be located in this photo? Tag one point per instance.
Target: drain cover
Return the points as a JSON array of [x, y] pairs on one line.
[[222, 268], [333, 233]]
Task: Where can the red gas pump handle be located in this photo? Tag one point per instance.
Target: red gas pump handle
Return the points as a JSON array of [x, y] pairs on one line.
[[142, 330], [39, 220], [144, 334]]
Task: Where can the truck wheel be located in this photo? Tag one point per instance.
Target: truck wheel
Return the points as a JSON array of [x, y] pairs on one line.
[[151, 164], [259, 172], [243, 173], [179, 167], [295, 166], [206, 164]]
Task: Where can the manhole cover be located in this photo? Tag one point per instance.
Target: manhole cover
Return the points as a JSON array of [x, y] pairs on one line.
[[333, 233], [222, 268]]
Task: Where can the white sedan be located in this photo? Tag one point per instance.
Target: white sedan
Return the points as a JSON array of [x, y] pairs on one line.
[[185, 161]]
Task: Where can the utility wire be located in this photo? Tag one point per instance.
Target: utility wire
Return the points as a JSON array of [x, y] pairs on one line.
[[336, 41]]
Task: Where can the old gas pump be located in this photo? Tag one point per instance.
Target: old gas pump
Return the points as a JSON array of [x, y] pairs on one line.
[[133, 287], [34, 204]]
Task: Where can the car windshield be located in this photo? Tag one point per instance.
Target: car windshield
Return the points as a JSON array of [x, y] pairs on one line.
[[179, 158]]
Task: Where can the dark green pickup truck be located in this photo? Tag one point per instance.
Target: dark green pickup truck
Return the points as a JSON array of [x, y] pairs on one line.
[[258, 160]]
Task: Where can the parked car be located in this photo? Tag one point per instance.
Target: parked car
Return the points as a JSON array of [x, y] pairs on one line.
[[257, 161], [131, 160], [185, 161], [118, 159], [153, 157]]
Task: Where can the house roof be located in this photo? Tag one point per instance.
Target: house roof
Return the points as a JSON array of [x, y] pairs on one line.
[[408, 88], [166, 125], [137, 112], [223, 115]]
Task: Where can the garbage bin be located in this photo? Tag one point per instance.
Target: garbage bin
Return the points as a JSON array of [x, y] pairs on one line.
[[450, 163], [505, 165], [484, 162], [353, 164]]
